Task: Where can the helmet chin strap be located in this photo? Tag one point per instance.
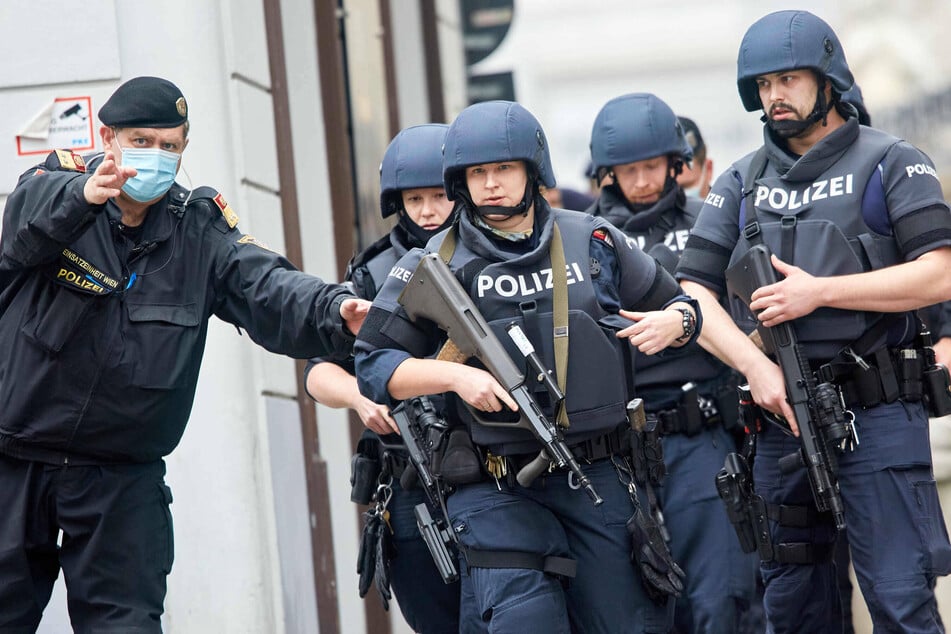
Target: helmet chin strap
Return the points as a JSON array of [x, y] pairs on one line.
[[787, 129], [521, 208]]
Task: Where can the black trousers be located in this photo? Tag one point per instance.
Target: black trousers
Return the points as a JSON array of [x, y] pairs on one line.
[[116, 550]]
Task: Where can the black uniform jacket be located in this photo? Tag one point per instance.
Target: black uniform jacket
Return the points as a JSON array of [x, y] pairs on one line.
[[102, 334]]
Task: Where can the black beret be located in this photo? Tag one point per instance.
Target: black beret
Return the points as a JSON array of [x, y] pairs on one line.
[[145, 102]]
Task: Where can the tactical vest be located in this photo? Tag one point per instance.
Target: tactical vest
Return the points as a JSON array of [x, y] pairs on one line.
[[520, 291], [819, 226], [658, 377], [369, 268]]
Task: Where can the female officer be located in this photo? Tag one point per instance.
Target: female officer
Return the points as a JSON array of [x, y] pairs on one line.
[[411, 187], [519, 543]]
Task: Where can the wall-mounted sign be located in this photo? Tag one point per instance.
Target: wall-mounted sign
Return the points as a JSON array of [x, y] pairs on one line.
[[484, 25], [64, 124]]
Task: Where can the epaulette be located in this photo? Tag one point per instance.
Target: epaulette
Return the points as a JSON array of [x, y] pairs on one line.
[[65, 160], [212, 194]]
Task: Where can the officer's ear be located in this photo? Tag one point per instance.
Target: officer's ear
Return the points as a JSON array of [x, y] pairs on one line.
[[107, 135]]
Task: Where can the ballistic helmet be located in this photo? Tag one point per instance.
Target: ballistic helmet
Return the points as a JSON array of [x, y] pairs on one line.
[[853, 97], [413, 159], [494, 132], [788, 40], [636, 127]]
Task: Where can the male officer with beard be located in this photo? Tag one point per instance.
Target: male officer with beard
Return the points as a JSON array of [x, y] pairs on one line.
[[859, 234]]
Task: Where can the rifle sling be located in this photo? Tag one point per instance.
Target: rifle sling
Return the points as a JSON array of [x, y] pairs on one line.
[[556, 255]]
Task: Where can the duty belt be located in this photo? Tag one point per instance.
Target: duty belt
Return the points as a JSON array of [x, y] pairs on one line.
[[15, 448], [393, 460], [615, 442], [868, 381], [689, 419]]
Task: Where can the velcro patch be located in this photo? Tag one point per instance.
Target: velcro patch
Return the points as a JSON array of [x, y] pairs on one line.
[[603, 236], [71, 161], [230, 216]]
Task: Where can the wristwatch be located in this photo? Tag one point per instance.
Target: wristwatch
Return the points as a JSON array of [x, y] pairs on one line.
[[689, 323]]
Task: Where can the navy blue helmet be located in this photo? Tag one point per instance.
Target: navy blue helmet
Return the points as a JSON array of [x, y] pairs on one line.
[[636, 127], [788, 40], [413, 159], [494, 132], [853, 96]]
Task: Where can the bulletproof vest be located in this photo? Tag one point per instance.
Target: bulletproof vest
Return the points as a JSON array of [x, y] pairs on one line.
[[368, 269], [824, 226], [657, 378], [519, 290]]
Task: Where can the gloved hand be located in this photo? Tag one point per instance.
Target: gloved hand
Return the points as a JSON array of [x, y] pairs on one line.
[[660, 574]]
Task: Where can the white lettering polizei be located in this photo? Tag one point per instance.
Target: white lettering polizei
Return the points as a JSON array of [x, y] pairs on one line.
[[921, 168], [401, 273], [781, 199], [524, 284], [714, 199]]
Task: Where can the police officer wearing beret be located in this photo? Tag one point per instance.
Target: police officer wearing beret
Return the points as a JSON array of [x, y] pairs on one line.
[[860, 235], [109, 273]]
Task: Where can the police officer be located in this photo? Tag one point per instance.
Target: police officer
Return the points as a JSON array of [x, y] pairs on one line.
[[109, 272], [501, 249], [696, 176], [853, 97], [411, 187], [859, 233], [639, 147]]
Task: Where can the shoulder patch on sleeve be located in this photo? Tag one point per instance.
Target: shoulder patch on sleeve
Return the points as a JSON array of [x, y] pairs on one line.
[[212, 194], [70, 161], [249, 239], [230, 216], [603, 236]]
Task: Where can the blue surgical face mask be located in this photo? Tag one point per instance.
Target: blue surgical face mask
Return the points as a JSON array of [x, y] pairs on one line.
[[156, 172]]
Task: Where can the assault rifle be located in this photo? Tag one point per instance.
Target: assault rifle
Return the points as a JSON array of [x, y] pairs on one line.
[[818, 409], [423, 430], [434, 293]]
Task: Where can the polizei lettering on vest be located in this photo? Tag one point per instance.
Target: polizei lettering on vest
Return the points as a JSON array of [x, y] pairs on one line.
[[525, 284], [401, 273], [793, 199], [674, 240]]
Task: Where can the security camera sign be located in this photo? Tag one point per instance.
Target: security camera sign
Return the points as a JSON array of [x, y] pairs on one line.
[[64, 124]]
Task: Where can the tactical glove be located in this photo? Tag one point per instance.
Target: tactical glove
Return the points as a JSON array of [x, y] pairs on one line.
[[660, 574], [374, 556]]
